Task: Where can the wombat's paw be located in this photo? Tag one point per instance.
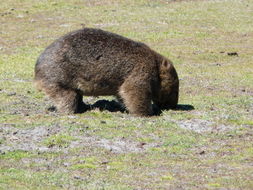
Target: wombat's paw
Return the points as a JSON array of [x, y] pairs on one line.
[[156, 110], [83, 108]]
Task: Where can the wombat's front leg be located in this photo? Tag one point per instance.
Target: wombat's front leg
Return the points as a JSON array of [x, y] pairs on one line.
[[136, 98]]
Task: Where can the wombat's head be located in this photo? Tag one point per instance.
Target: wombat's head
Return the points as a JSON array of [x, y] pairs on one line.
[[167, 95]]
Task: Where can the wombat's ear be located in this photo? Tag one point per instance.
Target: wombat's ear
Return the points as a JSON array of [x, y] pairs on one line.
[[165, 64]]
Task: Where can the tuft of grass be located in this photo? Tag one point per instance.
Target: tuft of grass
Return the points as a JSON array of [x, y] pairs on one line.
[[83, 166], [167, 177], [16, 155], [85, 163], [59, 140]]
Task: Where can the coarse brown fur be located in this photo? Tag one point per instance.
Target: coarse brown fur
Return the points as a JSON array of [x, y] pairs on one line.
[[93, 62]]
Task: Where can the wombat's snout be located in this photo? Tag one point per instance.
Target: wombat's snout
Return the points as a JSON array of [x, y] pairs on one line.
[[170, 102]]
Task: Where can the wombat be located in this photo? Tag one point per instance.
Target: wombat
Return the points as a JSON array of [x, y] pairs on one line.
[[93, 62]]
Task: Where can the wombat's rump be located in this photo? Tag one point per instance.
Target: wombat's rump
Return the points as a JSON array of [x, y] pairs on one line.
[[93, 62]]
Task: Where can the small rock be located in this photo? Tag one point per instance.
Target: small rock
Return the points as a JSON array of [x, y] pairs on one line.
[[232, 54], [77, 177], [64, 25], [140, 145], [20, 16], [39, 36], [11, 94], [51, 146], [14, 138]]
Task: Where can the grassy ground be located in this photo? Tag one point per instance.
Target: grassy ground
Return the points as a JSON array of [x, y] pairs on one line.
[[209, 147]]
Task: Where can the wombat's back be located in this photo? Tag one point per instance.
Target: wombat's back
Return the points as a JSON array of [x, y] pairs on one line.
[[91, 60]]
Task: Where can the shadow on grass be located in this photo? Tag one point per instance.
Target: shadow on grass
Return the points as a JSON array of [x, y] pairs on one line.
[[184, 107], [114, 106]]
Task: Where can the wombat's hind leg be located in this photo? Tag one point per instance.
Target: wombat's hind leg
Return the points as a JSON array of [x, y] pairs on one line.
[[66, 100]]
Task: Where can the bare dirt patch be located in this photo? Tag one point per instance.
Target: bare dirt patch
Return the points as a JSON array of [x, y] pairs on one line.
[[201, 126], [32, 139], [26, 139]]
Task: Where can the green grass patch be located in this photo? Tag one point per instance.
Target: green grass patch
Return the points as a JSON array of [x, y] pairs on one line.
[[59, 140], [16, 155]]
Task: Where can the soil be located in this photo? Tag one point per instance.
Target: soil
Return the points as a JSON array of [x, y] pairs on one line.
[[31, 139]]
